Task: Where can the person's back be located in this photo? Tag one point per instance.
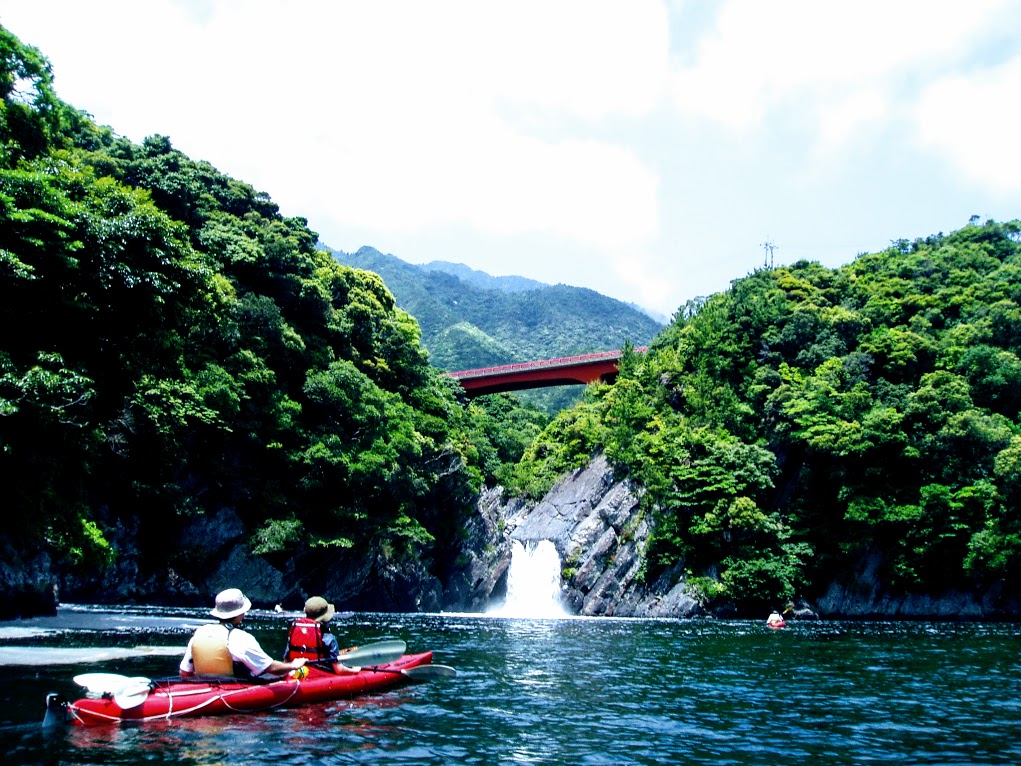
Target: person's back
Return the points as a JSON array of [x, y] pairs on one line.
[[226, 649], [310, 636], [305, 639], [209, 651]]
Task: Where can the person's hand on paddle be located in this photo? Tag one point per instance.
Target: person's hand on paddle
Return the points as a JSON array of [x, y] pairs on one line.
[[278, 668]]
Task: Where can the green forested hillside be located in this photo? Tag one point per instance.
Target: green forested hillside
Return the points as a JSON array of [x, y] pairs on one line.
[[171, 345], [465, 325], [807, 416], [483, 280], [469, 322]]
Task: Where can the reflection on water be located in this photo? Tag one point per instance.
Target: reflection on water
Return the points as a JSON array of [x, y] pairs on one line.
[[582, 691]]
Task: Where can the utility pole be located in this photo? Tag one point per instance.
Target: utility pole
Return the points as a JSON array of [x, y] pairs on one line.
[[769, 247]]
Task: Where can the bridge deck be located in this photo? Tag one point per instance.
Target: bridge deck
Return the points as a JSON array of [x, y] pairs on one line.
[[568, 370]]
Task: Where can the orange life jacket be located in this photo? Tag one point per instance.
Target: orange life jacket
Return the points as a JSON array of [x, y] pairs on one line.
[[305, 639]]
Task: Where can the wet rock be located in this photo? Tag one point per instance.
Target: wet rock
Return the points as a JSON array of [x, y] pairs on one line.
[[799, 609], [23, 601], [862, 593], [211, 533], [595, 521], [480, 567], [27, 586]]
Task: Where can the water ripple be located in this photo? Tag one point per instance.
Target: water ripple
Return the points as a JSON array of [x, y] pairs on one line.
[[587, 691]]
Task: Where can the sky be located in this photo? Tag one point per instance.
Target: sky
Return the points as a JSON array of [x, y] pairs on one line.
[[651, 151]]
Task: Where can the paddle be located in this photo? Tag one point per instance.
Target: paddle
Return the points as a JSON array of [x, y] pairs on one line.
[[109, 683], [428, 672], [417, 673], [131, 696], [127, 692], [376, 653], [373, 654]]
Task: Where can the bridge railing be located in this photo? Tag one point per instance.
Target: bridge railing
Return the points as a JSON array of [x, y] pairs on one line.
[[565, 361]]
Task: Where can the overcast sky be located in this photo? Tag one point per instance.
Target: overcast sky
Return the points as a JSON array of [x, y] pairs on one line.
[[647, 150]]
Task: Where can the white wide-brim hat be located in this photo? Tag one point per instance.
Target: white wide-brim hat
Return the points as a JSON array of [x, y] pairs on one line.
[[230, 603]]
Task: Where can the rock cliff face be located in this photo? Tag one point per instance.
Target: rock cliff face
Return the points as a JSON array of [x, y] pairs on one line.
[[481, 578], [26, 589], [861, 594], [592, 517], [597, 526]]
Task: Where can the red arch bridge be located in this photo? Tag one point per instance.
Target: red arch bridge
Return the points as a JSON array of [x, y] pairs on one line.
[[568, 370]]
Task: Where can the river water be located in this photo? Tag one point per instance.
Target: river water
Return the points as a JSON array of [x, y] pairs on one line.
[[556, 691]]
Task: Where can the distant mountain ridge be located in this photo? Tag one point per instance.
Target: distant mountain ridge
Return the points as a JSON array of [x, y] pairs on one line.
[[508, 284], [471, 319], [514, 284]]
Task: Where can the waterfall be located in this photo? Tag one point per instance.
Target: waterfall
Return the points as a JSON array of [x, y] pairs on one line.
[[533, 582]]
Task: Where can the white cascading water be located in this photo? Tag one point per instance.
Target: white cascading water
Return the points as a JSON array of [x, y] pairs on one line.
[[533, 582]]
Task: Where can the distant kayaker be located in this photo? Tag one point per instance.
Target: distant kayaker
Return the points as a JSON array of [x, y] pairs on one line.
[[310, 636], [226, 649], [775, 620]]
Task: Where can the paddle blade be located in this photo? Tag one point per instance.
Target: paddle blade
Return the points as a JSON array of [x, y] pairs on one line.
[[132, 695], [100, 683], [429, 672], [378, 653], [111, 683]]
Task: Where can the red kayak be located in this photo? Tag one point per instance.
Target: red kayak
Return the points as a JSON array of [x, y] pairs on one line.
[[204, 696]]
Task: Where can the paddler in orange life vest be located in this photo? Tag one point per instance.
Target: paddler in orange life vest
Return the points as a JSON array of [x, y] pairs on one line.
[[309, 637], [226, 649]]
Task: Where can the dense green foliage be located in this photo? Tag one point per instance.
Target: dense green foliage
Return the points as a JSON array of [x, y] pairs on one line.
[[470, 319], [808, 416], [482, 280], [171, 345]]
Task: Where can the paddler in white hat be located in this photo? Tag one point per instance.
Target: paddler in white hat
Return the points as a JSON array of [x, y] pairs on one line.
[[227, 649]]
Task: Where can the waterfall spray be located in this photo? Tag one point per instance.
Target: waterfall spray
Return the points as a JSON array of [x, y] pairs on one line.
[[533, 582]]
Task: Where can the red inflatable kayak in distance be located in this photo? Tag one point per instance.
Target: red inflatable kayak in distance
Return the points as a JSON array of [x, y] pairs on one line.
[[207, 696]]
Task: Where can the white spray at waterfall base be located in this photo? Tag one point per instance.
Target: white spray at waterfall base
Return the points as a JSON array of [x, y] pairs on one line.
[[533, 582]]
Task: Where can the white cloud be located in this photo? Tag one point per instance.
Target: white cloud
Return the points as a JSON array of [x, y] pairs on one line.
[[586, 59], [973, 121], [847, 118], [411, 130], [823, 63], [570, 140], [641, 274]]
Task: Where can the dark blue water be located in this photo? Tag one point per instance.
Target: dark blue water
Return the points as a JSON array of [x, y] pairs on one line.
[[573, 691]]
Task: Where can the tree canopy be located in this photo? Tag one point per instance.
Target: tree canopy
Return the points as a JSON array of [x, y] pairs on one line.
[[172, 345], [807, 416]]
